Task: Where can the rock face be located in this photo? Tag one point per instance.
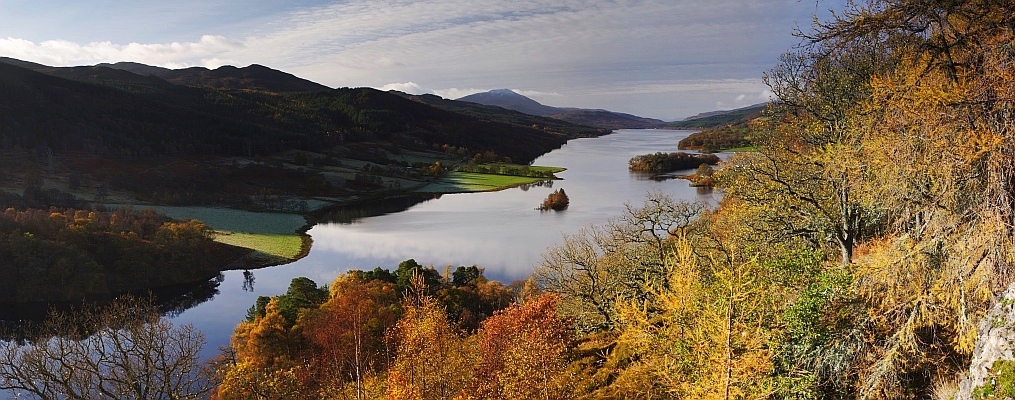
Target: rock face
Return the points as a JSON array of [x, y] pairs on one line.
[[996, 342]]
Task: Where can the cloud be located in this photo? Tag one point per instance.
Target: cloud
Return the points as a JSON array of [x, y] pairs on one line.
[[536, 93], [727, 86], [407, 87], [456, 93], [67, 53]]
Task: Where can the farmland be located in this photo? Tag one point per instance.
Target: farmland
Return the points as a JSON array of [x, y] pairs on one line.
[[274, 237], [464, 182]]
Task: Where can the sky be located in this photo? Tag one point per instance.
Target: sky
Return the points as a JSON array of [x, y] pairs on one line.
[[665, 59]]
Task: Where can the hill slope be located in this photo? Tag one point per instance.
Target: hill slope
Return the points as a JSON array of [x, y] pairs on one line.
[[506, 115], [718, 118], [726, 130], [509, 99], [116, 113], [255, 77]]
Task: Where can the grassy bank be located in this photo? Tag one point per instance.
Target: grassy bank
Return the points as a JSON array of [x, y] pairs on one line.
[[274, 237], [466, 182], [501, 176]]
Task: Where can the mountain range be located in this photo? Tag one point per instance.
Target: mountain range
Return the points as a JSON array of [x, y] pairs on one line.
[[512, 100], [113, 109], [135, 76]]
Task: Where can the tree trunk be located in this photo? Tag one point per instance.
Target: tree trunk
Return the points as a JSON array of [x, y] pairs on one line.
[[729, 341]]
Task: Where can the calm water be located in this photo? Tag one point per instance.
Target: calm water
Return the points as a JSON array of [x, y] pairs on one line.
[[499, 231]]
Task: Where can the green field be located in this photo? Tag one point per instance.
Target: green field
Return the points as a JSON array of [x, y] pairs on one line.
[[552, 170], [285, 246], [463, 182], [272, 234]]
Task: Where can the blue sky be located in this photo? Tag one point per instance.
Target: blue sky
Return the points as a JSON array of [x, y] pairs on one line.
[[664, 59]]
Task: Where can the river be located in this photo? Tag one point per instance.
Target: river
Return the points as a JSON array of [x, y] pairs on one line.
[[499, 231]]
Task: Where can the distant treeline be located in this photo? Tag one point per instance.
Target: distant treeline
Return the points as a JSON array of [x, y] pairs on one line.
[[669, 162]]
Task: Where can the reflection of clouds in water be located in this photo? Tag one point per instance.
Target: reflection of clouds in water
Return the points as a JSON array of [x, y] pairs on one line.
[[500, 255], [498, 231]]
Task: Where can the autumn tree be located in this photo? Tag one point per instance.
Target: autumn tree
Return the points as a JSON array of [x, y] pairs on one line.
[[347, 333], [523, 353], [556, 201], [810, 168], [432, 361], [623, 259], [268, 355], [265, 362], [712, 331], [470, 297]]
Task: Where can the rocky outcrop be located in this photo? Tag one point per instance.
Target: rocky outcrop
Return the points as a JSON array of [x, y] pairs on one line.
[[996, 342]]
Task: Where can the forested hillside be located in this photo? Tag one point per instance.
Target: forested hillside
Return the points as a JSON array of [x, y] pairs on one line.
[[721, 118], [117, 114]]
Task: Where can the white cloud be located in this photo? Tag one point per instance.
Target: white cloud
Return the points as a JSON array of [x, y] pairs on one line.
[[455, 93], [536, 93], [66, 53], [724, 86], [407, 87]]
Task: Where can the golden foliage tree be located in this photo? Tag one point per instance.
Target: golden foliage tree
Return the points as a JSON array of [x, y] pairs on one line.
[[433, 360], [347, 333], [264, 366], [523, 353], [713, 331]]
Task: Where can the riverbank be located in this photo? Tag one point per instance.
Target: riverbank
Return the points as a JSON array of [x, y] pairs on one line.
[[278, 238]]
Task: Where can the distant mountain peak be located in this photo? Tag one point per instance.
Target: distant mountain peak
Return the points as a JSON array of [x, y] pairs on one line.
[[507, 98]]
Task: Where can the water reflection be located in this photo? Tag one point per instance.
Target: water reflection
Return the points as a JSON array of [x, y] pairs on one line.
[[171, 301], [547, 183], [248, 281], [352, 213]]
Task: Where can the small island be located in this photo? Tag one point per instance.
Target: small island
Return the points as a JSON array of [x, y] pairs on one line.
[[662, 163], [556, 201]]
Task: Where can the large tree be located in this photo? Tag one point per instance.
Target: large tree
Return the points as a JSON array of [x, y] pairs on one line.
[[624, 259]]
